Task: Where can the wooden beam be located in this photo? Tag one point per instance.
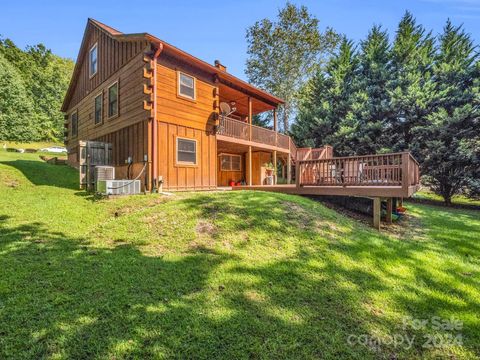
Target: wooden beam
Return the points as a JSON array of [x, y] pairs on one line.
[[274, 167], [377, 209], [246, 92], [289, 168], [275, 119], [249, 166], [389, 210], [256, 145], [250, 117]]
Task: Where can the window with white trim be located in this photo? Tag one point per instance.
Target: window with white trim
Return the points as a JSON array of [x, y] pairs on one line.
[[93, 60], [113, 100], [98, 109], [186, 151], [230, 162], [186, 86]]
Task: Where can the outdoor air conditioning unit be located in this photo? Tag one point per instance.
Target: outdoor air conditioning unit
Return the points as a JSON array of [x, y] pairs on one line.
[[104, 173], [119, 187]]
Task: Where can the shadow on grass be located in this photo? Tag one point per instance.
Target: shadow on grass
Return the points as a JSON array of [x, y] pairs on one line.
[[62, 296], [41, 173]]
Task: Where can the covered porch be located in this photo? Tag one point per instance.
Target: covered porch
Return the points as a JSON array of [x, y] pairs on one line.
[[250, 165], [249, 154]]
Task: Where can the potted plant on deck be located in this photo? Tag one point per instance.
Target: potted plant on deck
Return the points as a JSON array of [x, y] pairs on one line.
[[268, 168]]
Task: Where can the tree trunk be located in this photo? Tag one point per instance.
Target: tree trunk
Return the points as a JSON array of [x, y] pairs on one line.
[[447, 200]]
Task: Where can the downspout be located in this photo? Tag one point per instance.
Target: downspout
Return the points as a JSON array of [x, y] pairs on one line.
[[155, 125]]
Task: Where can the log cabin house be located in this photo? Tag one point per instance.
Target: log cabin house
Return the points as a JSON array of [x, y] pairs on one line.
[[163, 110]]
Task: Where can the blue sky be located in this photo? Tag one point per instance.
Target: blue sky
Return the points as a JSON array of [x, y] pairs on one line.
[[214, 29]]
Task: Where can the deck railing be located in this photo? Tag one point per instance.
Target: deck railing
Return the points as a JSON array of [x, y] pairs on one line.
[[324, 152], [398, 169], [241, 130]]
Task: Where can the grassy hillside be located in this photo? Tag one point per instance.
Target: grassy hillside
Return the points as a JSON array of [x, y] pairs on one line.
[[223, 275]]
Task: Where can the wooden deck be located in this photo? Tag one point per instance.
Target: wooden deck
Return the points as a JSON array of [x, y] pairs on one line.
[[362, 191], [386, 176]]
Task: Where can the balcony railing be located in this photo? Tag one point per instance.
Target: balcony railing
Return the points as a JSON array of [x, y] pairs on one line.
[[399, 169], [241, 130]]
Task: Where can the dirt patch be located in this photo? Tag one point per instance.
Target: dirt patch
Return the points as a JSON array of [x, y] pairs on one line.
[[205, 227], [297, 215]]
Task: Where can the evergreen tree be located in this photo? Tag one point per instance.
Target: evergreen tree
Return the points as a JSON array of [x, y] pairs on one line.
[[450, 139], [374, 101], [411, 87], [326, 110]]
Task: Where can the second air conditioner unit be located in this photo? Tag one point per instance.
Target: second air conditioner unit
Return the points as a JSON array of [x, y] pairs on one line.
[[104, 173]]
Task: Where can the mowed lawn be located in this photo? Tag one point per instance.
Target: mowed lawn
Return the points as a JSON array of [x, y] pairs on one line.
[[225, 275]]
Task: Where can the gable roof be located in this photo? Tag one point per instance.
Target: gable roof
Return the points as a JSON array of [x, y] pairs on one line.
[[168, 48]]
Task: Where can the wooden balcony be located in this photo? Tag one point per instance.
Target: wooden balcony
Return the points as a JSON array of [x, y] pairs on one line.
[[252, 135]]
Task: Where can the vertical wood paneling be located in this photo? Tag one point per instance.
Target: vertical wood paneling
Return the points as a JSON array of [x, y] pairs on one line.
[[112, 55], [177, 177]]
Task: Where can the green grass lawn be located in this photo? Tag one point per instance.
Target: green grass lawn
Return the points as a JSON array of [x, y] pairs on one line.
[[224, 275], [434, 198], [29, 145]]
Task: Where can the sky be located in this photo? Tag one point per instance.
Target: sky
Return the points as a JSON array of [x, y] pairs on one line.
[[214, 30]]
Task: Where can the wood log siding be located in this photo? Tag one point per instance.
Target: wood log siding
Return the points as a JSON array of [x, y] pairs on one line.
[[111, 56], [130, 104], [399, 169]]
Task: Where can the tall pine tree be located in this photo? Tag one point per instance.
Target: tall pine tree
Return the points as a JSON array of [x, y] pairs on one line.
[[327, 107], [449, 141], [411, 87]]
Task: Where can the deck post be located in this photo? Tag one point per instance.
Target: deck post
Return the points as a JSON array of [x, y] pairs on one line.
[[275, 119], [250, 166], [275, 126], [289, 168], [275, 167], [250, 118], [377, 209], [389, 210], [297, 174], [405, 174]]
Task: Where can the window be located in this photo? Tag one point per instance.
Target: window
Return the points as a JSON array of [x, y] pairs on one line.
[[186, 86], [98, 109], [113, 100], [230, 162], [186, 151], [74, 123], [93, 63]]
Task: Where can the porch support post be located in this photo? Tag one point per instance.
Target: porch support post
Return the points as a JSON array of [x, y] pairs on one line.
[[250, 115], [275, 119], [275, 126], [274, 167], [289, 169], [377, 206], [389, 210], [250, 165]]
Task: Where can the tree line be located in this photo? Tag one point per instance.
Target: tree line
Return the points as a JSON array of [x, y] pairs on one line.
[[33, 83], [417, 93]]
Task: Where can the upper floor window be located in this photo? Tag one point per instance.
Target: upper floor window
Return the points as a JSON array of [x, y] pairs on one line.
[[93, 63], [74, 123], [113, 100], [186, 86], [98, 108], [186, 151]]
